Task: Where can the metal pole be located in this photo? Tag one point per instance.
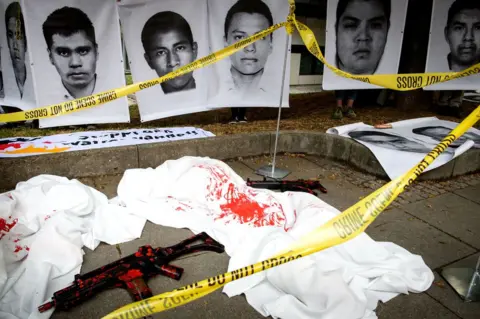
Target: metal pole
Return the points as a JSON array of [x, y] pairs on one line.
[[268, 171], [281, 102]]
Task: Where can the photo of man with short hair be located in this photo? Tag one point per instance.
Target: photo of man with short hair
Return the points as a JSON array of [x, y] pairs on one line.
[[246, 18], [168, 44], [391, 141], [72, 48], [462, 33], [438, 133], [17, 43], [361, 31]]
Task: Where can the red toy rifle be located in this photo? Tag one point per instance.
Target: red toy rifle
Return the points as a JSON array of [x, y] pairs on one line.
[[301, 185], [130, 272]]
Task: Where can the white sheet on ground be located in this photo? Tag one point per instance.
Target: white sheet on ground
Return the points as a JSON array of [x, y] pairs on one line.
[[44, 223], [201, 194]]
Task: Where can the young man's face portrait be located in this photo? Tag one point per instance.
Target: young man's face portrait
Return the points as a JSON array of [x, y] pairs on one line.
[[16, 44], [75, 58], [170, 50], [439, 133], [361, 36], [463, 37], [251, 59], [393, 142]]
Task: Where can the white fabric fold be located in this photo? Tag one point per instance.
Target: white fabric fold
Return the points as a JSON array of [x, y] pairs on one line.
[[47, 220]]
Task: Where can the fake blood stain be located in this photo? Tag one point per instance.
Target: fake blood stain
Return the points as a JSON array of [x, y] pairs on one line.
[[130, 275], [241, 206], [6, 226]]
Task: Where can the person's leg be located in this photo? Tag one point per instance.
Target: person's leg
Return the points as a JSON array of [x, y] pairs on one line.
[[241, 114], [235, 111], [351, 96], [337, 113], [455, 104]]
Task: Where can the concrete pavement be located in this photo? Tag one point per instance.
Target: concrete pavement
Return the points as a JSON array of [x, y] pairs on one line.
[[439, 221]]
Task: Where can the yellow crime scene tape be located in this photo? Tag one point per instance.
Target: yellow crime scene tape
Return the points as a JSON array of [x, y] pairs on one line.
[[344, 227], [399, 82], [108, 96], [338, 230]]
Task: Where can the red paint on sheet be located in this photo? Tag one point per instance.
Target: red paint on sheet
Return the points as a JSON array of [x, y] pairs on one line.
[[247, 210], [182, 209], [218, 179], [47, 217], [17, 248], [239, 203], [16, 240], [4, 226], [27, 248], [130, 275]]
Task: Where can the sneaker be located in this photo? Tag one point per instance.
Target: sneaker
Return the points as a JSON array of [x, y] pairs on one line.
[[350, 113], [234, 120], [337, 114], [243, 120]]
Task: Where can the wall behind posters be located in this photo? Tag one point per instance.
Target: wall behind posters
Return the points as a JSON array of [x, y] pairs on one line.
[[455, 45], [160, 37], [69, 65], [18, 86], [368, 40], [261, 70]]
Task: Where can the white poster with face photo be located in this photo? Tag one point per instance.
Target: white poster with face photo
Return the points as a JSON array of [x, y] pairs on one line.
[[407, 142], [18, 87], [454, 43], [258, 75], [363, 38], [160, 37], [76, 52]]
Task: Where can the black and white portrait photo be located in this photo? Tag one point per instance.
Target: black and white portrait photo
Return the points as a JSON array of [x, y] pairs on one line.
[[454, 42], [161, 37], [438, 133], [407, 142], [389, 141], [364, 37], [257, 75], [17, 84], [76, 52]]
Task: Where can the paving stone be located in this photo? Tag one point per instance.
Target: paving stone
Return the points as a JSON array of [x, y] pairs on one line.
[[108, 184], [346, 186], [444, 293], [472, 193], [88, 181], [297, 164], [435, 247], [452, 214], [242, 170], [414, 306], [197, 267]]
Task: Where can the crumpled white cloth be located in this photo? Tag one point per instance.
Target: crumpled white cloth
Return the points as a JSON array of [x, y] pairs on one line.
[[55, 217], [44, 223], [345, 281]]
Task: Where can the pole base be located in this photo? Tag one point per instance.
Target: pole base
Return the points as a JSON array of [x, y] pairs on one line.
[[465, 281], [278, 173]]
